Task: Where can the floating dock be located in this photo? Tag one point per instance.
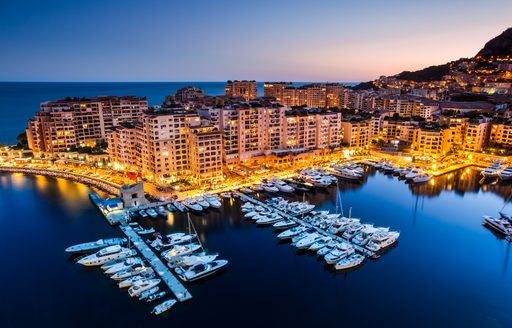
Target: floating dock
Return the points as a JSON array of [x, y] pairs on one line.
[[113, 217], [160, 268], [358, 248]]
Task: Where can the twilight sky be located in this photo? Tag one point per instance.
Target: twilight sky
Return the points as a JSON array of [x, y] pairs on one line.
[[216, 40]]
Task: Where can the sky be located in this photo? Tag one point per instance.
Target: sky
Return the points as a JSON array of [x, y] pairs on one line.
[[217, 40]]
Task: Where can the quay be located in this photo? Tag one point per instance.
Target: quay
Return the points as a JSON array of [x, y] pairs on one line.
[[181, 293], [105, 186], [358, 248]]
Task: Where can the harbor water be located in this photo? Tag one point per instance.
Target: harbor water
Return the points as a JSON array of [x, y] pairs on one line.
[[447, 270]]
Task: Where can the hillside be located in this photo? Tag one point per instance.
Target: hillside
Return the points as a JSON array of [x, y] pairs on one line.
[[499, 46]]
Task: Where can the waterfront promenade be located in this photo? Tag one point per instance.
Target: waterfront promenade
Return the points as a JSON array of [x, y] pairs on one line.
[[105, 186]]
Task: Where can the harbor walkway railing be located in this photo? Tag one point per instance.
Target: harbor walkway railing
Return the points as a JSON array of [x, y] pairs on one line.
[[106, 186]]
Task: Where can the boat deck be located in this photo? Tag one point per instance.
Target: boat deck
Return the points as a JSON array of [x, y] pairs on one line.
[[358, 248], [161, 269]]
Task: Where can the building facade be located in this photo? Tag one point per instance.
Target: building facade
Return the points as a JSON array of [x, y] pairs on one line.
[[63, 125]]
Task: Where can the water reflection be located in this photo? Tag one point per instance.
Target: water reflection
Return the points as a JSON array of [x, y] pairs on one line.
[[461, 182]]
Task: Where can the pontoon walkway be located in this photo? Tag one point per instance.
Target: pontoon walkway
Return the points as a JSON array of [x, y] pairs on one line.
[[358, 248], [161, 269]]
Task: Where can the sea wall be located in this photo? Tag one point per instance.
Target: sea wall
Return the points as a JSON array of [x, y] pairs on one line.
[[105, 186]]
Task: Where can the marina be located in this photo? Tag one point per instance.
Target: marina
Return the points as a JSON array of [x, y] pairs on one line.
[[422, 213], [360, 249]]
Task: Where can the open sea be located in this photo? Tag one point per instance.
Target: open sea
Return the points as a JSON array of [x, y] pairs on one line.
[[19, 101], [446, 271]]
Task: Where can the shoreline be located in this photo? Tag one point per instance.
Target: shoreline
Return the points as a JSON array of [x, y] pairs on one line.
[[108, 187]]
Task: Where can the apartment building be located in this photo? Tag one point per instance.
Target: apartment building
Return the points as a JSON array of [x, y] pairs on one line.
[[122, 148], [431, 141], [501, 134], [168, 145], [398, 130], [476, 135], [205, 144], [276, 90], [356, 134], [315, 95], [63, 125], [245, 89]]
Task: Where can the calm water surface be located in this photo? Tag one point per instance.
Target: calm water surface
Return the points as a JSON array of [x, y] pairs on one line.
[[447, 270]]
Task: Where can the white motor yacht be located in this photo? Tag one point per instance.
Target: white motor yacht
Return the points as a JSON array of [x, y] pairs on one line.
[[201, 201], [500, 225], [145, 294], [190, 260], [126, 264], [182, 208], [287, 234], [166, 241], [180, 250], [413, 173], [270, 219], [349, 262], [306, 242], [506, 174], [106, 255], [422, 178], [268, 187], [214, 202], [284, 224], [321, 243], [201, 270], [192, 205], [135, 270], [140, 286], [281, 185], [163, 307], [133, 279], [342, 250], [492, 170], [95, 245]]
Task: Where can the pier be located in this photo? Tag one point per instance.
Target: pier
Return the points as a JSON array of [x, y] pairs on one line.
[[160, 268], [358, 248]]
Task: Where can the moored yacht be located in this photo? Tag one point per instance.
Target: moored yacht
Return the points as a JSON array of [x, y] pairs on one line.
[[284, 224], [269, 187], [506, 174], [291, 232], [135, 270], [349, 262], [501, 225], [180, 250], [281, 185], [95, 245], [201, 201], [492, 170], [421, 178], [140, 286], [192, 205], [106, 255], [342, 250], [201, 270], [163, 307], [152, 213], [126, 264]]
